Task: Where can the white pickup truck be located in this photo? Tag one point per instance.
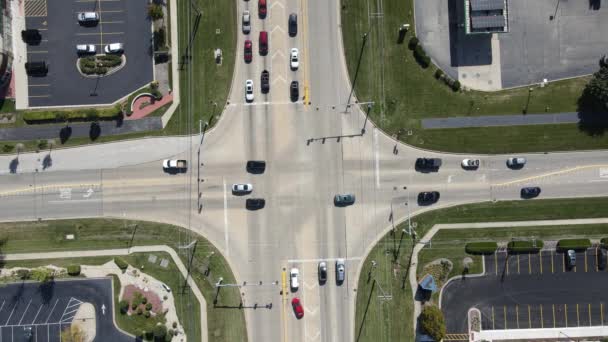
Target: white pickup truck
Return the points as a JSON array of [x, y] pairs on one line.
[[175, 164]]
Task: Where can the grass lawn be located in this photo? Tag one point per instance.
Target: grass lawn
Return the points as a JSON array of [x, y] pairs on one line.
[[378, 320], [224, 324], [185, 302], [404, 93]]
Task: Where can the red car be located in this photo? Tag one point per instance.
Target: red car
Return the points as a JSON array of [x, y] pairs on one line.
[[297, 307], [262, 8], [248, 51]]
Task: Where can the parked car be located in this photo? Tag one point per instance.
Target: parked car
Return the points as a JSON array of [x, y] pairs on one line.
[[292, 24], [36, 68], [571, 258], [255, 203], [602, 255], [87, 17], [265, 81], [262, 8], [530, 192], [249, 90], [239, 189], [246, 22], [516, 162], [85, 49], [428, 164], [294, 282], [428, 197], [470, 164], [322, 268], [340, 271], [294, 59], [248, 51], [31, 36], [341, 200], [114, 48], [256, 166], [294, 91], [298, 310]]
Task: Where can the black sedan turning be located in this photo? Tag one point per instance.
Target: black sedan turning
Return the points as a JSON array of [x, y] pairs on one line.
[[530, 192], [428, 197]]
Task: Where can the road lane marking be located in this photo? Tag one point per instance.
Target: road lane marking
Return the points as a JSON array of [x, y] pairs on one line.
[[517, 315], [377, 159], [566, 313], [284, 318], [493, 328], [553, 308], [589, 312], [74, 201], [529, 318], [578, 319], [226, 218], [504, 307], [554, 173], [542, 320]]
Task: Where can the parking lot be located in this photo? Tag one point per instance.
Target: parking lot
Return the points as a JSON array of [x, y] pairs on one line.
[[121, 21], [48, 308], [527, 291]]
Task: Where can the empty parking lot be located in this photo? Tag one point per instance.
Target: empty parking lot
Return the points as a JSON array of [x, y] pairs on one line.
[[536, 290], [121, 21]]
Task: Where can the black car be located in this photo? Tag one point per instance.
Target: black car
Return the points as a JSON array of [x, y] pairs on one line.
[[530, 192], [428, 197], [31, 36], [265, 81], [293, 25], [294, 90], [36, 68], [601, 258], [322, 272], [428, 164], [255, 203], [256, 166]]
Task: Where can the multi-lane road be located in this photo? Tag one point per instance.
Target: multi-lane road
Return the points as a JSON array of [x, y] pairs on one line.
[[313, 151]]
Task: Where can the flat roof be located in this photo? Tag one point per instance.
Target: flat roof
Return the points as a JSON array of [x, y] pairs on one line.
[[487, 5], [481, 22]]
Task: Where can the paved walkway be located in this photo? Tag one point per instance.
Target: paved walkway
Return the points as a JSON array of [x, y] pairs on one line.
[[80, 129], [143, 112], [496, 334], [501, 120], [127, 251]]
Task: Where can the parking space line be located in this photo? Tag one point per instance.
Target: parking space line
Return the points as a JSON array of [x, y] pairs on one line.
[[602, 313], [112, 11], [37, 313], [553, 307], [566, 313], [542, 321], [589, 312], [585, 261], [113, 22], [1, 306], [24, 312], [529, 263], [529, 318], [99, 33], [493, 328], [9, 317], [51, 312], [100, 23], [496, 263], [597, 260], [40, 51], [504, 307], [578, 319], [552, 270], [563, 264], [38, 85], [517, 315], [517, 263], [540, 258], [39, 96], [507, 263]]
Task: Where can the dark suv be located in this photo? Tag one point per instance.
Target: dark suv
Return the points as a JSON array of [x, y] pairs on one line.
[[293, 25], [428, 164], [256, 166], [530, 192], [255, 203], [429, 197], [294, 91], [265, 81]]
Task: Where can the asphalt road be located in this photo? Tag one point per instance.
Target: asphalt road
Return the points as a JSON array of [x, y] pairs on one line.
[[299, 224], [49, 308]]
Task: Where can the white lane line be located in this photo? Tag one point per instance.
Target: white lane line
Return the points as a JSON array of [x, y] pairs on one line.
[[24, 312], [50, 313], [9, 317], [226, 218], [40, 308], [376, 154], [2, 305], [74, 201], [295, 261], [599, 180]]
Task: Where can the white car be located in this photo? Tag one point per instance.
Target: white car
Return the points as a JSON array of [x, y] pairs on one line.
[[85, 48], [470, 163], [293, 279], [249, 90], [242, 188], [88, 17], [294, 60], [246, 22], [114, 48]]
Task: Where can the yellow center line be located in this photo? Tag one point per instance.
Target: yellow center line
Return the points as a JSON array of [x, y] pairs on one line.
[[553, 308], [529, 318], [553, 173], [542, 322], [589, 311], [540, 258], [283, 316], [305, 48]]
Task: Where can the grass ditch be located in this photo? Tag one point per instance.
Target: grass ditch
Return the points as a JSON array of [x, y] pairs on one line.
[[46, 236]]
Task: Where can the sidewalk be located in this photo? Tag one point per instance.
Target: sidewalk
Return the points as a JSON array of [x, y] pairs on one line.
[[127, 251], [501, 120], [498, 334]]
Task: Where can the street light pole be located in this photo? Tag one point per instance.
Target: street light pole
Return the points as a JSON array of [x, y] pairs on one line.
[[352, 88], [369, 108]]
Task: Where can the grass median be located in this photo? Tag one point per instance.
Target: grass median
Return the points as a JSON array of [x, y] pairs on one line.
[[379, 320], [404, 92], [207, 264]]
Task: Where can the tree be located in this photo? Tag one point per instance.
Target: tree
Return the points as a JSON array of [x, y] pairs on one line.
[[73, 333], [432, 322], [597, 88], [155, 11], [123, 305], [160, 331], [43, 274]]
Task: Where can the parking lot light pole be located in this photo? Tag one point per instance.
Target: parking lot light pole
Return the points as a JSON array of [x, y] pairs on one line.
[[352, 88], [369, 108]]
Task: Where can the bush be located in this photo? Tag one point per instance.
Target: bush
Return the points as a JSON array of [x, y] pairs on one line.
[[157, 94], [456, 86], [155, 11], [488, 247], [566, 244], [439, 73], [432, 322], [34, 117], [147, 314], [8, 148], [412, 43], [123, 305], [121, 263], [140, 311], [421, 57], [174, 325], [160, 40], [160, 331], [24, 274], [604, 241], [525, 246], [43, 275], [148, 306], [74, 270], [144, 300], [42, 144]]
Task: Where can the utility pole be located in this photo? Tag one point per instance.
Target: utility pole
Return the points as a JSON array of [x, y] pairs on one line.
[[352, 88], [191, 247], [369, 108]]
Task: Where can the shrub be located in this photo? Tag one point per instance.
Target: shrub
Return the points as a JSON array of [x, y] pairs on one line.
[[172, 332], [155, 11], [67, 115], [147, 314], [174, 325], [604, 241], [525, 246], [432, 322], [148, 306], [74, 270], [488, 247], [24, 274], [121, 263], [42, 144], [7, 148], [456, 86], [573, 244], [160, 40], [421, 57], [144, 300], [140, 311], [157, 94], [43, 275], [412, 43], [123, 305], [133, 306], [439, 73], [160, 331]]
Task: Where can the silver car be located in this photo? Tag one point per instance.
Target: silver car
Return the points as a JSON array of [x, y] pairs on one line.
[[242, 188], [87, 17], [114, 48], [516, 162], [340, 271], [86, 48], [246, 22]]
